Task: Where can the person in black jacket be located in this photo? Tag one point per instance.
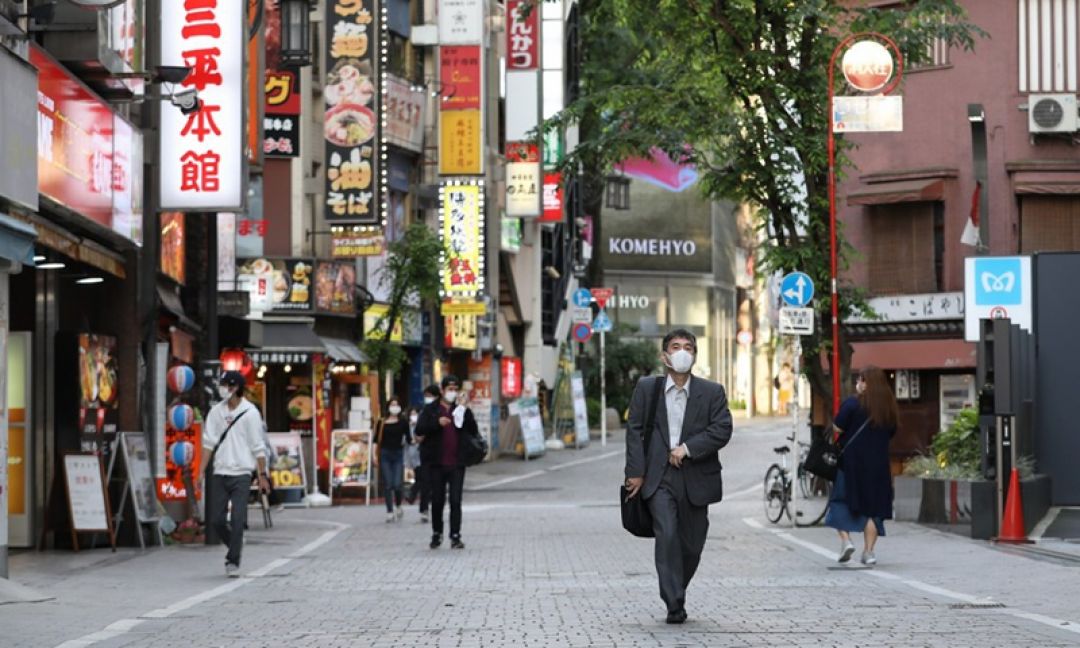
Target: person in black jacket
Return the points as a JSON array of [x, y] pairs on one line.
[[441, 432]]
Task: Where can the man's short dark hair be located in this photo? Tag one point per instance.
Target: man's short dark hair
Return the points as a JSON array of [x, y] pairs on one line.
[[433, 390], [450, 378], [679, 333]]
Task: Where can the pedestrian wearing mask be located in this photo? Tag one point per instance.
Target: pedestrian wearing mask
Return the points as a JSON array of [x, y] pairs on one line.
[[862, 496], [232, 439], [413, 460], [442, 428], [678, 474], [391, 435]]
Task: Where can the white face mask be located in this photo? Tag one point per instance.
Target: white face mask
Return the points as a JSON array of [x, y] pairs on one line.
[[681, 361], [450, 396], [860, 387], [428, 400], [395, 409], [225, 392]]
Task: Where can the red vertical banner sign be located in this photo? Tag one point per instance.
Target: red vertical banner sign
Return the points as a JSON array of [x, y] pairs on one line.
[[351, 124], [324, 415], [523, 35]]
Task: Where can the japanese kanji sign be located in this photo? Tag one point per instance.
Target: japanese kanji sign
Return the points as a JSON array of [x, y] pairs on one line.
[[462, 220], [523, 180], [461, 22], [281, 94], [349, 245], [202, 157], [460, 143], [553, 198], [523, 36], [351, 124], [404, 114], [460, 77]]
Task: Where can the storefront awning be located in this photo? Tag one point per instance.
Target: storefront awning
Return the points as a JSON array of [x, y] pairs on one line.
[[914, 354], [343, 350], [17, 240], [171, 302], [1046, 182], [285, 336], [884, 193]]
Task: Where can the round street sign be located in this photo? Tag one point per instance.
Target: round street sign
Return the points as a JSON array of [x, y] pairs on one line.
[[582, 298], [867, 65], [582, 332]]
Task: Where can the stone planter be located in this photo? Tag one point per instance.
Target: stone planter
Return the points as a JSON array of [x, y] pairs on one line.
[[964, 507]]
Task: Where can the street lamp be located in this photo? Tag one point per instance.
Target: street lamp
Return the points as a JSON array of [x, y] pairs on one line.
[[296, 32]]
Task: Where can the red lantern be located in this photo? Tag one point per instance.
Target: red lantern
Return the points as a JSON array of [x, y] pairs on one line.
[[511, 377], [237, 360]]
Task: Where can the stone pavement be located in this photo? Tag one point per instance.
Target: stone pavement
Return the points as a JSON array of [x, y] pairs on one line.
[[547, 564]]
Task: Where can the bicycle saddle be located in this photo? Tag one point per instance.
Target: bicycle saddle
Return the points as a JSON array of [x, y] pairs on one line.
[[782, 450]]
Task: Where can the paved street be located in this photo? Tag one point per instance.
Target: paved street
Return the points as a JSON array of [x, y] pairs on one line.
[[547, 564]]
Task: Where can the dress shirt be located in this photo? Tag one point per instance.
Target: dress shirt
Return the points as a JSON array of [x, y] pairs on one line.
[[675, 398]]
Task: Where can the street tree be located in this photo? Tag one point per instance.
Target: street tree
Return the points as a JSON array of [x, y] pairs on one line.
[[738, 88], [411, 275]]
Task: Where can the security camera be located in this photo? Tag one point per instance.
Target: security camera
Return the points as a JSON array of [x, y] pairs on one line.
[[172, 73], [186, 100]]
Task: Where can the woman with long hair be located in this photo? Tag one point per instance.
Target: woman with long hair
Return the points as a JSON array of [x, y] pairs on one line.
[[390, 437], [862, 496]]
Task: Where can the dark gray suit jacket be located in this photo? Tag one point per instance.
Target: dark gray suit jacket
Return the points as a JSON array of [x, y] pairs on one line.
[[706, 428]]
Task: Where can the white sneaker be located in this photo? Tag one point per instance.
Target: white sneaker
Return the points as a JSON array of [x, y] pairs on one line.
[[390, 517], [425, 518], [868, 558], [232, 571], [847, 549], [399, 512]]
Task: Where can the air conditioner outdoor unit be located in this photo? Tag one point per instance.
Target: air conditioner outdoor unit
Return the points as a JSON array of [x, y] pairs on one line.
[[1052, 113]]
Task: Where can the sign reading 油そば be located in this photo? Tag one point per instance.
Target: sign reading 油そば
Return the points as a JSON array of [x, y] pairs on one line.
[[201, 153], [351, 125]]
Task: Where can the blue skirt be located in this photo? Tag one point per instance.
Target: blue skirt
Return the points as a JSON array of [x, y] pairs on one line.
[[839, 515]]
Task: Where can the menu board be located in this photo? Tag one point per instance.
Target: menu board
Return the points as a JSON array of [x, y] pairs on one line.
[[351, 458], [287, 464], [335, 288], [581, 411], [140, 480], [86, 493]]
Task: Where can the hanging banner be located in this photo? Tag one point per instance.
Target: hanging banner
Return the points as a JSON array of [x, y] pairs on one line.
[[553, 198], [404, 115], [460, 332], [348, 245], [461, 143], [461, 222], [461, 22], [351, 126], [523, 184], [523, 36], [324, 414], [281, 93], [335, 287], [202, 153]]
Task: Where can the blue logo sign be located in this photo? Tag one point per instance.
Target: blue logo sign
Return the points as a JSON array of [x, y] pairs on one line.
[[602, 324], [998, 281], [582, 298], [582, 332], [797, 289]]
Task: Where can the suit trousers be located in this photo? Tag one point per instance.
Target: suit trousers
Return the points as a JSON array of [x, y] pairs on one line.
[[681, 529]]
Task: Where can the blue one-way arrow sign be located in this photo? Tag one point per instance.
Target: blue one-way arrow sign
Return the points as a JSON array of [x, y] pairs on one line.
[[797, 289]]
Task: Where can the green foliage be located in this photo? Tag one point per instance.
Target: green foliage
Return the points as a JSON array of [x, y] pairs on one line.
[[412, 276], [959, 444], [628, 359], [739, 89]]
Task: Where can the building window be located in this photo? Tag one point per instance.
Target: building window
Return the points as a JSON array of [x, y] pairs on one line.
[[1047, 47], [905, 248], [935, 56], [1049, 224]]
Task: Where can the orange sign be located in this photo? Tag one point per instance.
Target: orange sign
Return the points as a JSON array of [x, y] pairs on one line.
[[460, 143]]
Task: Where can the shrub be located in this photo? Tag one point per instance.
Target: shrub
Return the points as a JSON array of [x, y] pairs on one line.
[[959, 444]]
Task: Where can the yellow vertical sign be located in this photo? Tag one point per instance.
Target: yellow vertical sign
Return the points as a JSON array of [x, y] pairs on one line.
[[461, 222], [460, 144]]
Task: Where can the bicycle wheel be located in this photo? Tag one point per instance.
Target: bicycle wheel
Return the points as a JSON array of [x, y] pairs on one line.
[[776, 497], [813, 500]]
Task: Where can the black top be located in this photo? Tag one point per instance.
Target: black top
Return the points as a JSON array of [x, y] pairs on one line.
[[392, 436], [865, 461], [429, 428]]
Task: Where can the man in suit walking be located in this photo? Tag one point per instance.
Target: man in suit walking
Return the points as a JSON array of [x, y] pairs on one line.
[[679, 473]]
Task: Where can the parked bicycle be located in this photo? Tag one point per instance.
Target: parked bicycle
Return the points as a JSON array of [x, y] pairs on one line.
[[813, 500]]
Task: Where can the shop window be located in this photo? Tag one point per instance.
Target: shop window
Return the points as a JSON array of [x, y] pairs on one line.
[[1049, 224], [906, 248]]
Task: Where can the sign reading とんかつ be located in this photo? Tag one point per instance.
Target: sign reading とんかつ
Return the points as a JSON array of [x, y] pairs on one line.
[[351, 125], [202, 153], [462, 214]]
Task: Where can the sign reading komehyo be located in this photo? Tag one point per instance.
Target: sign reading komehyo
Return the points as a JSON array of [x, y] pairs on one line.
[[351, 125]]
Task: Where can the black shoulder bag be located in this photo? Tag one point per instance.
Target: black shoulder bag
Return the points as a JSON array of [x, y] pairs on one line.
[[209, 468], [636, 517], [823, 457]]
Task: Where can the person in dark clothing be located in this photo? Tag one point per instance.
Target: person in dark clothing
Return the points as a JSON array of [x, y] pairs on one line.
[[862, 497], [441, 427], [420, 488], [390, 439]]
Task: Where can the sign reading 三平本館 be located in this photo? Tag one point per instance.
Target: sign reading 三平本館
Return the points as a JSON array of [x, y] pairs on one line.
[[351, 125], [996, 288], [462, 220], [202, 153]]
